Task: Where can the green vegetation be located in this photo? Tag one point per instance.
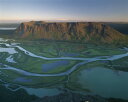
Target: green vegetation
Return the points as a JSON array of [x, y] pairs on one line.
[[65, 49], [120, 64], [31, 81], [52, 49], [18, 96]]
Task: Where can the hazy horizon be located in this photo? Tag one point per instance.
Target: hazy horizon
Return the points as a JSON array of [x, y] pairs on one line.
[[63, 10], [20, 21]]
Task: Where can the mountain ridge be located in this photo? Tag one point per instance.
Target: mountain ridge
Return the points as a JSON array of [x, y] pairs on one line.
[[69, 31]]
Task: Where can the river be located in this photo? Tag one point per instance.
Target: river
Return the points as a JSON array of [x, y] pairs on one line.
[[100, 81], [86, 60]]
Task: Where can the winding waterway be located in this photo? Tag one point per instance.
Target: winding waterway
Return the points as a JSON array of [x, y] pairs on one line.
[[84, 61], [88, 79]]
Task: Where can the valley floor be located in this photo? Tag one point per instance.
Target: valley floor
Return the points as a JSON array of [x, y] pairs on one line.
[[42, 64]]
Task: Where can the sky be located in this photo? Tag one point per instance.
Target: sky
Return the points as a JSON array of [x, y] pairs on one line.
[[64, 10]]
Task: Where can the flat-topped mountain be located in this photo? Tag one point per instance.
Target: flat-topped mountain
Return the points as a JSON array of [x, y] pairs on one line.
[[71, 31]]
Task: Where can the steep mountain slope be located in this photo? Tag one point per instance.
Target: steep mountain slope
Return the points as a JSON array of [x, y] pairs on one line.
[[71, 31]]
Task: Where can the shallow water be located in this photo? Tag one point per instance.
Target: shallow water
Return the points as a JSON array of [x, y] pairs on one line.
[[42, 92], [50, 66], [8, 50], [105, 82], [101, 81], [3, 28], [22, 79]]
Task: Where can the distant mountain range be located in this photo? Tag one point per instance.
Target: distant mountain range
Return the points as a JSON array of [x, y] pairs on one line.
[[120, 26], [70, 31]]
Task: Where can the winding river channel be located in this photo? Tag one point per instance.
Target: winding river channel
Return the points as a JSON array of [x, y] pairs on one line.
[[84, 61], [112, 84]]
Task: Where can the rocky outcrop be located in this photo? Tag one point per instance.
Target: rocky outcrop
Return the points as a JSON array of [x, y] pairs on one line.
[[71, 31]]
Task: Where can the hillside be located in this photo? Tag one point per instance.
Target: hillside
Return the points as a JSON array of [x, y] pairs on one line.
[[69, 31]]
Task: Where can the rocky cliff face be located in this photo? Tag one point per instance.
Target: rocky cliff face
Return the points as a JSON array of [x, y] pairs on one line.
[[75, 31]]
